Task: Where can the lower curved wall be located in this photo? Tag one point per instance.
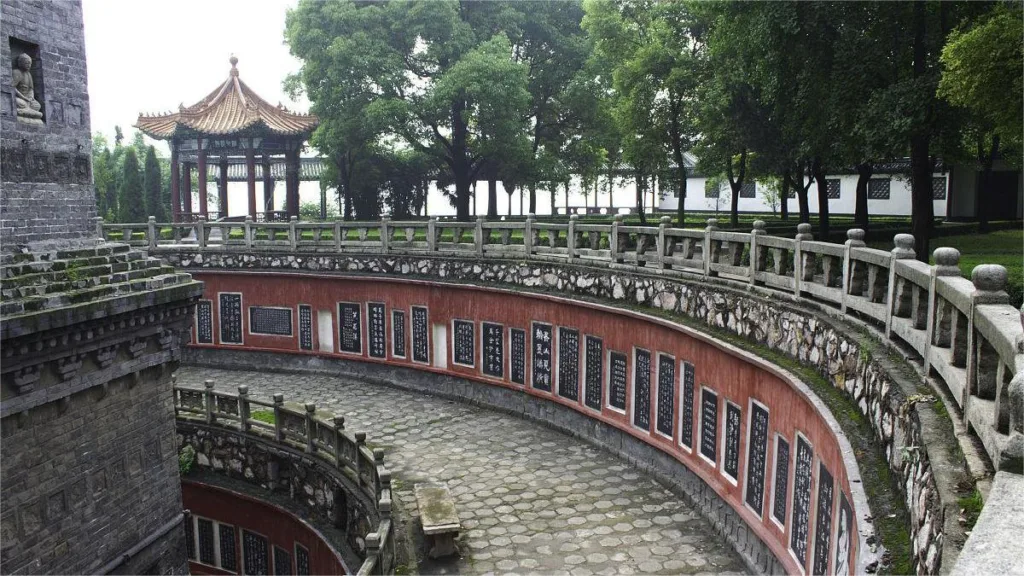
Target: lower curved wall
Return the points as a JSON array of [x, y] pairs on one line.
[[747, 431], [235, 533]]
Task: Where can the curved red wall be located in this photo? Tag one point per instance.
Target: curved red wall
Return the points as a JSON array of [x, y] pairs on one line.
[[737, 378]]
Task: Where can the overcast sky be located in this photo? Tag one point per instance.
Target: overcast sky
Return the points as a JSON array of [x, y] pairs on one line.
[[152, 55]]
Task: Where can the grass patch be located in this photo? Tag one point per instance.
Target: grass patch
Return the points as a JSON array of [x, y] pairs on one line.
[[263, 416], [970, 509]]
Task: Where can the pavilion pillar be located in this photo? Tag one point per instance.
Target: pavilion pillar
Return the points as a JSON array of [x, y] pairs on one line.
[[268, 186], [292, 183], [175, 185], [186, 184], [202, 181], [222, 187], [250, 178]]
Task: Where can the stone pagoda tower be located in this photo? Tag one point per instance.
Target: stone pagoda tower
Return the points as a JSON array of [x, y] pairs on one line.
[[89, 334]]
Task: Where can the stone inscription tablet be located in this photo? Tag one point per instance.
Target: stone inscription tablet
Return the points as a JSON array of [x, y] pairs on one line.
[[642, 389], [823, 522], [271, 321], [462, 342], [709, 424], [666, 394], [518, 361], [841, 566], [569, 363], [594, 373], [420, 343], [305, 327], [801, 500], [757, 452], [781, 484], [398, 333], [542, 357], [617, 380], [731, 458], [350, 326], [686, 424], [204, 321], [231, 318], [494, 349], [375, 314]]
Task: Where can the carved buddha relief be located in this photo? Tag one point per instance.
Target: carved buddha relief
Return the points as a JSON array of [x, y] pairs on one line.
[[28, 109]]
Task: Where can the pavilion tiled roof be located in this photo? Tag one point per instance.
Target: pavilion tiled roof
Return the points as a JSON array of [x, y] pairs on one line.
[[231, 108]]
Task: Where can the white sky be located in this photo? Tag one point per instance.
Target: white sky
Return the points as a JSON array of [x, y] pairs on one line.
[[152, 55]]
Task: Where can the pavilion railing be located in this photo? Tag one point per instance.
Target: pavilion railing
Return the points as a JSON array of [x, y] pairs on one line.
[[304, 430], [964, 331]]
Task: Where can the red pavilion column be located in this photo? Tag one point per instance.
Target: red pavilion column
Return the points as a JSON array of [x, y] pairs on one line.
[[186, 184], [175, 184], [250, 176], [292, 183], [268, 186], [222, 187], [202, 180]]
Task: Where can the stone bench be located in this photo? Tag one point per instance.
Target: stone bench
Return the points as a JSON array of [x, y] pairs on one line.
[[440, 521]]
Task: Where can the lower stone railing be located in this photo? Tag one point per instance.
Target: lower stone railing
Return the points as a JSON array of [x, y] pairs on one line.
[[217, 424]]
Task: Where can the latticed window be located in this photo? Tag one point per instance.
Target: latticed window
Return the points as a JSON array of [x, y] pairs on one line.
[[206, 542], [939, 188], [878, 189], [190, 539], [712, 189], [748, 190], [832, 188], [228, 552], [255, 551], [301, 561], [282, 561]]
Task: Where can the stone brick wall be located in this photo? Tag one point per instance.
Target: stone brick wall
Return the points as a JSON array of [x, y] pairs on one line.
[[46, 169], [98, 473], [832, 346]]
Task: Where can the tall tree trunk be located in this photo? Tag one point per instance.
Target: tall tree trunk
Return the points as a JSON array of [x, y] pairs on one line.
[[553, 188], [566, 199], [985, 184], [801, 193], [492, 198], [460, 162], [819, 177], [860, 216], [533, 198], [681, 205], [920, 163], [787, 185], [641, 187], [510, 192], [735, 185]]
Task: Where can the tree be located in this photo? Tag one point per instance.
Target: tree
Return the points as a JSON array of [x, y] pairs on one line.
[[104, 184], [152, 183], [130, 200]]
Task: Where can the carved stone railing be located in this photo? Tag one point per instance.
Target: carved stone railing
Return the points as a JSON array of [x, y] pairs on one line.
[[964, 331], [305, 431]]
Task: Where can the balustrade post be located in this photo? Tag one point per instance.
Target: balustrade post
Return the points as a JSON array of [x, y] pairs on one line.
[[947, 263], [243, 407], [247, 227], [358, 464], [278, 429], [151, 231], [337, 233], [208, 401], [614, 240], [98, 223], [293, 240], [432, 234], [478, 236], [708, 251], [854, 239], [310, 427], [803, 234], [756, 259], [982, 359], [339, 438], [570, 236], [384, 237], [378, 466], [528, 234], [903, 249], [201, 231], [373, 550], [661, 247]]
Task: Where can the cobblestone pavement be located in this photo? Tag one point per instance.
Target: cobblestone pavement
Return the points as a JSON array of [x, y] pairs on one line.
[[531, 499]]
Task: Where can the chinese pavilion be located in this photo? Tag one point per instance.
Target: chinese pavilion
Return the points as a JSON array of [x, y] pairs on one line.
[[231, 126]]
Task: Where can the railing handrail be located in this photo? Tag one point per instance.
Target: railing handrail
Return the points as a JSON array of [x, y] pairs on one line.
[[963, 329]]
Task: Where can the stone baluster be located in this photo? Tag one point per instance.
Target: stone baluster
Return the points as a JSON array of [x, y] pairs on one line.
[[151, 232], [983, 365], [616, 241], [854, 272], [247, 231], [358, 462], [208, 402], [478, 236], [278, 405], [385, 235], [757, 254], [947, 263], [373, 550], [243, 408], [339, 441], [570, 237], [432, 234], [709, 251], [201, 232], [898, 290], [293, 238], [528, 239], [378, 466], [803, 262], [337, 233], [98, 223], [664, 248], [310, 427]]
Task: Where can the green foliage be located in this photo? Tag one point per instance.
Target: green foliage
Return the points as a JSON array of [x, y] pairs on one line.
[[311, 211], [130, 201], [186, 459], [153, 185], [970, 508], [266, 416]]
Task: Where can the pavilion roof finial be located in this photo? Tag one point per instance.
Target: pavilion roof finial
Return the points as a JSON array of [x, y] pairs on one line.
[[234, 65]]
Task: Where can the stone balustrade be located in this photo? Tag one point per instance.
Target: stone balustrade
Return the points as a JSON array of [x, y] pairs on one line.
[[964, 332], [311, 434]]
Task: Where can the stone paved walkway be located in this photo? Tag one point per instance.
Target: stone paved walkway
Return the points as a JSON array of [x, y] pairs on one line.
[[531, 499]]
